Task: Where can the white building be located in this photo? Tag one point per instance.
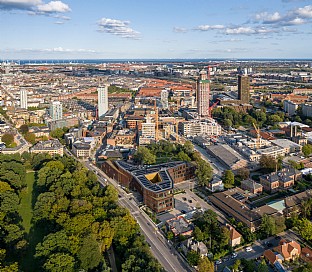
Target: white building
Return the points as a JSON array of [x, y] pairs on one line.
[[23, 98], [290, 107], [148, 132], [102, 100], [56, 110], [199, 128], [164, 99]]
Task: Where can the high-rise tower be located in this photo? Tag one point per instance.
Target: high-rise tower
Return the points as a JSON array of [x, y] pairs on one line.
[[102, 100], [202, 95], [56, 110], [243, 88], [23, 98], [164, 99]]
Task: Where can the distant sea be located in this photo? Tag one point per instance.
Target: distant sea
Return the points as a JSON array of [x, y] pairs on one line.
[[99, 61]]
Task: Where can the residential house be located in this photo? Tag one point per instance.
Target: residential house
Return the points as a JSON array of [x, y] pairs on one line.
[[191, 244], [235, 236], [290, 250], [306, 255], [180, 226], [251, 186]]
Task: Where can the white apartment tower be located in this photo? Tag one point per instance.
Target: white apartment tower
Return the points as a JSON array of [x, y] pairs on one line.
[[23, 98], [164, 99], [202, 95], [102, 100], [56, 110]]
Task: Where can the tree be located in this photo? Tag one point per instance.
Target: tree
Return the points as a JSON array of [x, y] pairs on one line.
[[267, 225], [8, 139], [203, 172], [188, 147], [236, 265], [89, 253], [243, 173], [227, 123], [198, 235], [30, 137], [183, 156], [144, 156], [262, 267], [24, 129], [269, 163], [60, 262], [307, 150], [228, 177], [305, 229], [205, 265], [57, 133], [193, 257]]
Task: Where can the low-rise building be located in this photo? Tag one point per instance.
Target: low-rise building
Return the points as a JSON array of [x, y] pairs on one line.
[[289, 146], [81, 150], [290, 250], [52, 147], [252, 186], [306, 255], [235, 236], [180, 226], [279, 180]]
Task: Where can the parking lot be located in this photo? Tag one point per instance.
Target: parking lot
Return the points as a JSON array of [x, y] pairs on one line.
[[184, 203]]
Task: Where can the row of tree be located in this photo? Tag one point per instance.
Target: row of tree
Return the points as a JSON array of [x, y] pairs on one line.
[[12, 235]]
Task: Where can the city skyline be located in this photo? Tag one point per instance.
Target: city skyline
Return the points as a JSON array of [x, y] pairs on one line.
[[37, 29]]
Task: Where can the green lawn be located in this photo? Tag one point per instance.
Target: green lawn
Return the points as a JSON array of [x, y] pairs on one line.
[[25, 208]]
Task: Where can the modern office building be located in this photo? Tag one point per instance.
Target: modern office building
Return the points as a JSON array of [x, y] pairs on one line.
[[164, 99], [203, 95], [243, 89], [56, 110], [23, 98], [102, 100]]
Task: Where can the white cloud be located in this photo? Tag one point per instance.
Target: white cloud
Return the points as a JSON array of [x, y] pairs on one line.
[[179, 30], [209, 27], [268, 18], [54, 6], [240, 30], [117, 27], [19, 4], [305, 12], [35, 7]]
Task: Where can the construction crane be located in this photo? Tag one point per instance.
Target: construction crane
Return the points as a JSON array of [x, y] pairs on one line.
[[213, 105], [258, 142]]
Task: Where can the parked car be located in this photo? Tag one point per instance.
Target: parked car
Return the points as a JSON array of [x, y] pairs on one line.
[[184, 198], [190, 200], [248, 249], [183, 211], [234, 255], [218, 262]]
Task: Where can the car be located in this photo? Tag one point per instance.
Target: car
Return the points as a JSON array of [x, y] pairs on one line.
[[184, 198], [225, 259], [248, 249], [269, 244], [218, 262], [234, 255], [183, 211], [190, 200]]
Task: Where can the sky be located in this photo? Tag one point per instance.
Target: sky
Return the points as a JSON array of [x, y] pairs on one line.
[[150, 29]]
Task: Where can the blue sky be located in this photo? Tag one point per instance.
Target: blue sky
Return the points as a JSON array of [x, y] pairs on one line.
[[118, 29]]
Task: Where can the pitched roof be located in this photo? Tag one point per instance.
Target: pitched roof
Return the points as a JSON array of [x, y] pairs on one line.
[[286, 248], [270, 256]]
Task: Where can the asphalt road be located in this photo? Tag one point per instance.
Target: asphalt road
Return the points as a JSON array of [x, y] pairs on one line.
[[168, 257]]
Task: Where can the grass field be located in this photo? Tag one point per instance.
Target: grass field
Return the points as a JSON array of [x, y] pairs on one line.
[[34, 235], [25, 208]]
